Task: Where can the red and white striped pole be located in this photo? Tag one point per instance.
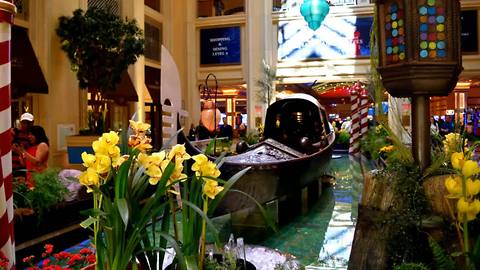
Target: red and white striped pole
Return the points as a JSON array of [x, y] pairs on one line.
[[7, 240], [355, 116], [363, 109]]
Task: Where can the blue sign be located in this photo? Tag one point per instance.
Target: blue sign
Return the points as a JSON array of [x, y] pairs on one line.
[[220, 46], [337, 38]]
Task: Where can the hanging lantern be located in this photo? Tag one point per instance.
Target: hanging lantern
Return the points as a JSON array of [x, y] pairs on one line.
[[210, 116], [314, 12]]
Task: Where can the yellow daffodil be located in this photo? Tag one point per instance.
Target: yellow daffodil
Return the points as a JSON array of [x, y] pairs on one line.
[[158, 157], [454, 186], [178, 151], [88, 159], [119, 161], [473, 187], [100, 147], [211, 188], [89, 178], [139, 127], [387, 149], [103, 163], [471, 209], [452, 143], [114, 152], [200, 160], [144, 159], [470, 168], [110, 138], [204, 167], [156, 171], [155, 174], [457, 160], [140, 142]]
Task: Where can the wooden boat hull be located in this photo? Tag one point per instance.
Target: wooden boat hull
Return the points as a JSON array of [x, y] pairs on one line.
[[268, 182], [298, 146]]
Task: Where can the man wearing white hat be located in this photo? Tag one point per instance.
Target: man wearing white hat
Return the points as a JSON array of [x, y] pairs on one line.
[[20, 137]]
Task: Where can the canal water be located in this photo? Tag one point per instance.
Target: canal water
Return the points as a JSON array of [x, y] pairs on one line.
[[322, 238]]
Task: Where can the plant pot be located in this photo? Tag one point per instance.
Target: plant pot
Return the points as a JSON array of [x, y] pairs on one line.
[[240, 265]]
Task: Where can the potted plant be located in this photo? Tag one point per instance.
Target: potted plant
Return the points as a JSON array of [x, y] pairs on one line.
[[100, 47], [131, 192]]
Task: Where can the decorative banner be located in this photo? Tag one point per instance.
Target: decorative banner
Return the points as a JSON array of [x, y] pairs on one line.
[[337, 38], [220, 46], [469, 31]]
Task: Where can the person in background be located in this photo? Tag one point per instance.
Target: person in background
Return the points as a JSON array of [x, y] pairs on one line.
[[35, 158], [202, 132], [434, 129], [20, 138], [192, 133], [226, 130], [347, 124]]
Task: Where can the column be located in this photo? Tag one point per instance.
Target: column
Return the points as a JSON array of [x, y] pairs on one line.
[[258, 44], [7, 241]]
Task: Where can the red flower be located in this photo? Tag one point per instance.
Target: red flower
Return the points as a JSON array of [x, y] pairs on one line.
[[91, 258], [28, 259], [48, 248], [62, 255], [86, 251], [74, 259], [46, 262]]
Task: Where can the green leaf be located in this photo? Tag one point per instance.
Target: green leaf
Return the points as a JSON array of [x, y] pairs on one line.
[[210, 224], [475, 253], [122, 207], [87, 222], [121, 184]]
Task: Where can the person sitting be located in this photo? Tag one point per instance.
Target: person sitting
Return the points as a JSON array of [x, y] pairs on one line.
[[226, 130], [20, 137], [35, 158]]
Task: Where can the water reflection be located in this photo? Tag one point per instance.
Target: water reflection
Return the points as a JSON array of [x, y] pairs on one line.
[[322, 238]]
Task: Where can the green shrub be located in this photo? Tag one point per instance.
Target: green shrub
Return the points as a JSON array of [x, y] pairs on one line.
[[47, 192], [343, 137]]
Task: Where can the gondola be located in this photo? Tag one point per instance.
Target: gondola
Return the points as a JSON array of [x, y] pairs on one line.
[[297, 146]]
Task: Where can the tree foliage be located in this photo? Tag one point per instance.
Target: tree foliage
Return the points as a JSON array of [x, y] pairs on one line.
[[100, 46]]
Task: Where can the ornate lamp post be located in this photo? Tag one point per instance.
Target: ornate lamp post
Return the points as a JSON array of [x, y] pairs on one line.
[[420, 56]]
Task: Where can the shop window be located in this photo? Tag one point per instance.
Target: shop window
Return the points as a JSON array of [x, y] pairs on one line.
[[154, 4], [153, 40], [209, 8], [22, 9], [112, 6]]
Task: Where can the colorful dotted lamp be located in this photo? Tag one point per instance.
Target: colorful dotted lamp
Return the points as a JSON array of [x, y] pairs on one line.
[[419, 46], [314, 12]]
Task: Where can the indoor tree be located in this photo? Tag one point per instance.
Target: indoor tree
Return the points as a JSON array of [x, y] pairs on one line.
[[100, 46]]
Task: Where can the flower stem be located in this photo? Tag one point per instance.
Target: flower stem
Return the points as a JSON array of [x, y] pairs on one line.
[[466, 248], [174, 216], [203, 235], [95, 228]]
